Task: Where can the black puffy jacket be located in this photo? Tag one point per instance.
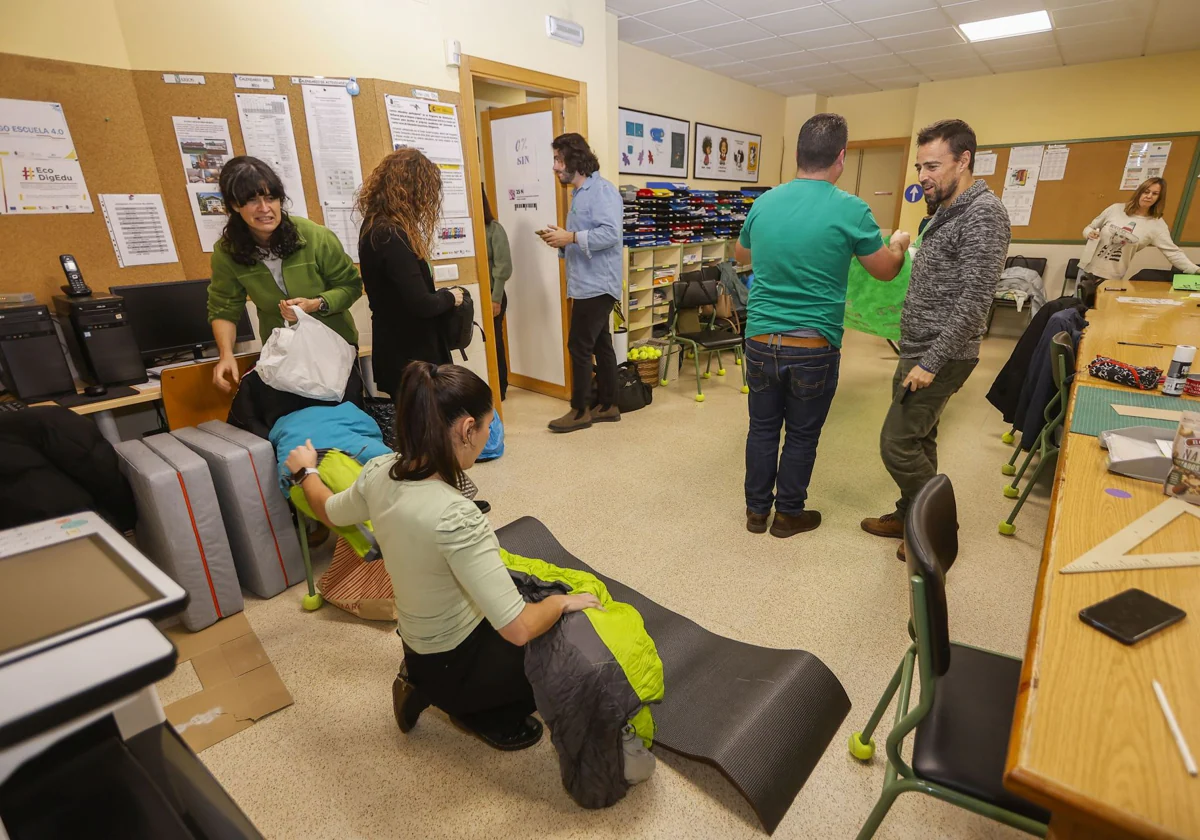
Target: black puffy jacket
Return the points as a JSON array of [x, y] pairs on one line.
[[54, 462]]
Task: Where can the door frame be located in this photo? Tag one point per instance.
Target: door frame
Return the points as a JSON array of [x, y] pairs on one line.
[[574, 96], [886, 142], [555, 105]]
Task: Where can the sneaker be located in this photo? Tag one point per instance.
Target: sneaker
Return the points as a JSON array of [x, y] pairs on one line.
[[639, 761], [521, 737], [786, 525], [572, 421], [612, 414], [889, 525], [407, 701], [756, 523]]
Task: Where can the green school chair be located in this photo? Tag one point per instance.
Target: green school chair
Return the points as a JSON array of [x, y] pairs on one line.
[[967, 695], [693, 290], [1062, 368]]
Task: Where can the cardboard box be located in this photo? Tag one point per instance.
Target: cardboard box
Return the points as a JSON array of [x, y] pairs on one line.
[[239, 683]]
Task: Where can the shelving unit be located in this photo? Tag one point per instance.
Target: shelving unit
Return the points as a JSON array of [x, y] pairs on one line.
[[652, 270]]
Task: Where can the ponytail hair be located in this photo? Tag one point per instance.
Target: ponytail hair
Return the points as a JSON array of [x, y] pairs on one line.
[[432, 399]]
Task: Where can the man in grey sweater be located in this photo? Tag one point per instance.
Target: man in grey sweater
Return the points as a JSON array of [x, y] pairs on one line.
[[954, 276]]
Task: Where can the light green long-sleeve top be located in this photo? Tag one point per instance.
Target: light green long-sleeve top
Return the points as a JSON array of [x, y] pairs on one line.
[[499, 259]]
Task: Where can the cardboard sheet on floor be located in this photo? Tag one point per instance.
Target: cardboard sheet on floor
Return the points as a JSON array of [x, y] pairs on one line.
[[239, 685]]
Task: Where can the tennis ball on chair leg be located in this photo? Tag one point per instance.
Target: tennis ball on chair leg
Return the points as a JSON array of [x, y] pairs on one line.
[[312, 602]]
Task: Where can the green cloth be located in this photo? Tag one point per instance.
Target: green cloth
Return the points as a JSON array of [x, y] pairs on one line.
[[801, 236], [621, 629], [873, 306], [338, 470], [499, 259], [321, 268]]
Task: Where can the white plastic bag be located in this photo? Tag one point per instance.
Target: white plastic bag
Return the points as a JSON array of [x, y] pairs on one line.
[[306, 358]]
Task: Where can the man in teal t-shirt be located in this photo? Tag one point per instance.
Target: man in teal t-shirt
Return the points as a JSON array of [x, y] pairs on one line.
[[799, 238]]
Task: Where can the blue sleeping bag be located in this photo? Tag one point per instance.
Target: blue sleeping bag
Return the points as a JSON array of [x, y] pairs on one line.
[[346, 427]]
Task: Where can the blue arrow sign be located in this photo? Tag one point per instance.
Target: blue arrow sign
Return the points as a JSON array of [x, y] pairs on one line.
[[913, 193]]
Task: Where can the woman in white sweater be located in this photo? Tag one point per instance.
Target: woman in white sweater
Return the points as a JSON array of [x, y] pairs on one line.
[[1124, 229]]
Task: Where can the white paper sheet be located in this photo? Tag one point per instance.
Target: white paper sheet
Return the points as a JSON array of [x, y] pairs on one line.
[[1054, 163], [140, 232], [266, 121], [41, 185], [1145, 160], [34, 129], [455, 238], [345, 222], [1144, 301], [1023, 157], [985, 163], [204, 147], [333, 139], [455, 202], [431, 127], [241, 80], [1020, 186]]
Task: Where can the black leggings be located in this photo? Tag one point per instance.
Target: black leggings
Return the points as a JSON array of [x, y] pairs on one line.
[[481, 682]]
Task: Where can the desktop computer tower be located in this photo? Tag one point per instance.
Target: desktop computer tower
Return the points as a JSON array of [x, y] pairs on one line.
[[32, 364], [100, 339]]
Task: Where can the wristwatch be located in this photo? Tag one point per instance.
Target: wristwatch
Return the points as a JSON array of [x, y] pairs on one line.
[[304, 472], [323, 306]]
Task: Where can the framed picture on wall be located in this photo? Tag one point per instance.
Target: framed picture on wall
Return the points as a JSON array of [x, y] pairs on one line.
[[651, 144], [722, 154]]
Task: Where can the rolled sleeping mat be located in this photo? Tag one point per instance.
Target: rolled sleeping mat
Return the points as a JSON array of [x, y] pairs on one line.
[[262, 537], [180, 526]]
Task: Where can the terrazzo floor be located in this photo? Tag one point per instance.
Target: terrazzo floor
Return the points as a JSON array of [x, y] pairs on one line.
[[656, 502]]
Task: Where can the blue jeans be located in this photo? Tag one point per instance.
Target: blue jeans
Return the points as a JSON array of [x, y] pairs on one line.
[[792, 388]]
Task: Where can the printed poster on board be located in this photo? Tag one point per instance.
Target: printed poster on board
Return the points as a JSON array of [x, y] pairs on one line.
[[651, 144], [204, 147], [723, 154]]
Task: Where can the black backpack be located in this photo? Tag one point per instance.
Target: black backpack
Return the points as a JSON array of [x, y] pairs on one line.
[[459, 324], [632, 392]]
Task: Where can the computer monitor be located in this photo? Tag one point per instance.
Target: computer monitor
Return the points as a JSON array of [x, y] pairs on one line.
[[170, 318]]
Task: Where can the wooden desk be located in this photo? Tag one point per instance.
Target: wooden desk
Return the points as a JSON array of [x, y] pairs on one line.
[[1088, 740]]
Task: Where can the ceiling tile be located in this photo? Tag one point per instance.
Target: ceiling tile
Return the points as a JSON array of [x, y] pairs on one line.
[[1039, 64], [697, 14], [754, 8], [821, 71], [633, 30], [751, 71], [1014, 44], [1101, 51], [834, 36], [859, 10], [849, 52], [1113, 10], [754, 50], [705, 59], [1022, 57], [800, 20], [878, 62], [924, 40], [788, 88], [802, 58], [908, 24], [975, 10], [671, 45], [731, 69], [846, 89], [955, 52], [1169, 42], [637, 7], [728, 34], [899, 82], [958, 66], [961, 70]]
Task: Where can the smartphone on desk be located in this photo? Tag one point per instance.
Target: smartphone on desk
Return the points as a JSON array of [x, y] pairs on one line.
[[1131, 616]]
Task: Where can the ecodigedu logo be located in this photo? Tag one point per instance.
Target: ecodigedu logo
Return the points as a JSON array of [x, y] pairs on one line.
[[39, 130], [42, 173]]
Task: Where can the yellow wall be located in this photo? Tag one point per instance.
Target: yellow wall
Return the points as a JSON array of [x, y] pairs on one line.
[[796, 110], [86, 31], [874, 116], [660, 85]]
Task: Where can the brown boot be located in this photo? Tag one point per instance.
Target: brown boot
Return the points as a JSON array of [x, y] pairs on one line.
[[572, 421], [407, 701], [612, 414], [890, 525], [900, 555], [756, 523], [786, 525]]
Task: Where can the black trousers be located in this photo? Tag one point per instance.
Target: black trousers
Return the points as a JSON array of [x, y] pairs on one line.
[[590, 319], [481, 682], [501, 350]]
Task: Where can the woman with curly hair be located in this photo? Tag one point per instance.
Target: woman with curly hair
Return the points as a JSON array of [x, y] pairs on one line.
[[276, 259], [400, 203]]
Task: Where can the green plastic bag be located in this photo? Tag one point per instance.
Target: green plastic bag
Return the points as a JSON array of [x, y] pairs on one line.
[[873, 306]]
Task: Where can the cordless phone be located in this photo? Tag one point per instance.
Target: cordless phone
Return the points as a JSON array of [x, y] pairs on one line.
[[75, 286]]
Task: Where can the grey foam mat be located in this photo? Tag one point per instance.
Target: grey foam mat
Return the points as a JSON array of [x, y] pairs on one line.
[[762, 716]]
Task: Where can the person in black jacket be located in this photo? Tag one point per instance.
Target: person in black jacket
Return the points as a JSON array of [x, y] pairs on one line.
[[54, 462], [400, 203]]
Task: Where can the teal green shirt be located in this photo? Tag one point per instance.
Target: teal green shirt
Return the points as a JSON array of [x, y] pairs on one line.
[[801, 237]]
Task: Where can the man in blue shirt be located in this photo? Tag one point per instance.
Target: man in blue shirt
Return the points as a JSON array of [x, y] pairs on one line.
[[591, 246]]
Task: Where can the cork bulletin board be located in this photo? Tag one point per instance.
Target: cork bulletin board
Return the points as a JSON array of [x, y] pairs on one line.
[[1061, 209], [101, 107]]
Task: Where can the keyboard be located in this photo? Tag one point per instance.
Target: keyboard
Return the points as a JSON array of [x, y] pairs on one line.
[[12, 405]]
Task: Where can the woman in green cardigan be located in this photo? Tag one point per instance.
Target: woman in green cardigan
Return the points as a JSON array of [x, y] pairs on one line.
[[500, 268], [279, 261]]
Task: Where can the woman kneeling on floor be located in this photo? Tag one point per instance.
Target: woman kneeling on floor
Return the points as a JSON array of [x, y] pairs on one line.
[[444, 561]]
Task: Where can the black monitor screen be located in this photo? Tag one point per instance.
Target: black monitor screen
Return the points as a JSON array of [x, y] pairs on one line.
[[172, 317]]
